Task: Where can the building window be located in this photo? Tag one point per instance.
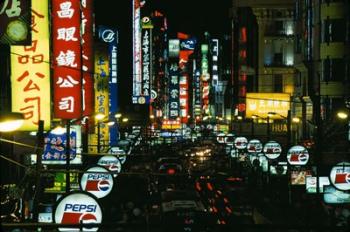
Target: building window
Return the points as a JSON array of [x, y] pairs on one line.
[[278, 83]]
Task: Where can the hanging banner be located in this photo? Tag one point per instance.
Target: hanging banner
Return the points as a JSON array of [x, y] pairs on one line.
[[174, 108], [197, 93], [101, 87], [15, 22], [110, 36], [30, 72], [215, 57], [146, 39], [136, 44], [87, 57], [67, 66]]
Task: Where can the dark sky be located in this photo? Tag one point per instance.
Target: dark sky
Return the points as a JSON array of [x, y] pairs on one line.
[[189, 16]]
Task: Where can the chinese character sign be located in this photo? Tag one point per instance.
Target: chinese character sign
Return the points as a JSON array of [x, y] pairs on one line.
[[197, 92], [30, 71], [174, 106], [136, 43], [262, 103], [55, 147], [87, 56], [15, 22], [146, 62], [67, 66], [110, 36], [101, 93]]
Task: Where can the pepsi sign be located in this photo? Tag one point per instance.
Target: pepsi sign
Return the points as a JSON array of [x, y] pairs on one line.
[[272, 150], [77, 208], [254, 146], [297, 155], [240, 143], [98, 181], [340, 176], [111, 163]]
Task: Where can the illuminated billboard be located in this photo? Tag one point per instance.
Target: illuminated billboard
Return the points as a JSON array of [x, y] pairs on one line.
[[110, 36], [55, 147], [101, 87], [67, 66], [136, 44], [30, 72], [174, 107], [262, 103]]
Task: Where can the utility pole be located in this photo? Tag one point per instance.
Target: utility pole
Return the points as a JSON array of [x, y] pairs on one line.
[[68, 156], [38, 187]]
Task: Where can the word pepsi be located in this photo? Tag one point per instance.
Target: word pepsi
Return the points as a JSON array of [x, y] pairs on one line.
[[80, 208]]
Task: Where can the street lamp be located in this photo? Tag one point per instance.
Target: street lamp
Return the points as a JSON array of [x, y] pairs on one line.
[[11, 121]]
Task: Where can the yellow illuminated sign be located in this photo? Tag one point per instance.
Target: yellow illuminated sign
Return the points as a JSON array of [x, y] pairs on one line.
[[261, 104], [30, 72], [101, 98]]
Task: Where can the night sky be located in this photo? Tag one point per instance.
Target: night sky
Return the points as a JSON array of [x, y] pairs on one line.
[[189, 16]]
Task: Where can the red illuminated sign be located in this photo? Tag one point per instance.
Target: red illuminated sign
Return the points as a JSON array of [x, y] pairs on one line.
[[67, 58]]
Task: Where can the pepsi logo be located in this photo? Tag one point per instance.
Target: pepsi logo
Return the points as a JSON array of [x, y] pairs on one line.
[[77, 208], [342, 178], [98, 181], [103, 185]]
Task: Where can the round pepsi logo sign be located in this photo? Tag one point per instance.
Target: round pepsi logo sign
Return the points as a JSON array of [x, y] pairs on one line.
[[272, 150], [340, 176], [77, 208], [297, 155], [254, 146], [111, 163], [98, 181], [240, 142]]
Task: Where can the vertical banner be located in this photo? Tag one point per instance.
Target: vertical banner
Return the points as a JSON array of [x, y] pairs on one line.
[[174, 107], [205, 78], [146, 40], [215, 56], [67, 66], [110, 36], [87, 57], [30, 70], [15, 22], [136, 44], [197, 92], [101, 87], [183, 85]]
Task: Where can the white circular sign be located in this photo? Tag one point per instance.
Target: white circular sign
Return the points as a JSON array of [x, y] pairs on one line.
[[108, 35], [78, 207], [272, 150], [297, 155], [111, 163], [220, 138], [240, 142], [254, 146], [120, 154], [340, 176], [98, 181]]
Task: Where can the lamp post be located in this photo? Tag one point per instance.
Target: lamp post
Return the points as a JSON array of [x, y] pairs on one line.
[[268, 127], [254, 116], [289, 124]]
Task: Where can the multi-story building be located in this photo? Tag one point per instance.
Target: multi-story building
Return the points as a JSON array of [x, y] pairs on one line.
[[322, 50]]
